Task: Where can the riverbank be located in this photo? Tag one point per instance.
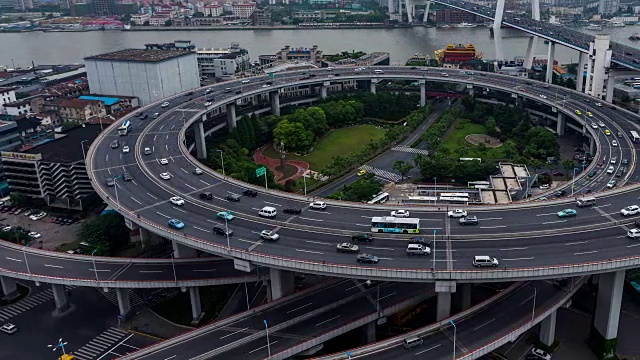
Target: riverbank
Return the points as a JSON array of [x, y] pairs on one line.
[[277, 27]]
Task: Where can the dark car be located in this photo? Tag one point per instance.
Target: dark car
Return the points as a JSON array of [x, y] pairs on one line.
[[365, 237], [367, 259], [420, 240], [560, 193], [238, 91], [469, 220], [292, 211], [144, 117], [221, 230], [115, 144], [206, 196], [139, 114], [189, 93], [250, 193], [232, 197], [126, 177], [558, 173]]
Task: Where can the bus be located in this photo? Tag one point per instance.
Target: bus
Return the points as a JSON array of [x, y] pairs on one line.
[[455, 198], [635, 137], [392, 224], [379, 199], [124, 128]]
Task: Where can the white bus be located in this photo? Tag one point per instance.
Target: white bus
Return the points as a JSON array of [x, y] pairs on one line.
[[635, 137], [390, 224], [379, 199], [124, 128], [455, 198]]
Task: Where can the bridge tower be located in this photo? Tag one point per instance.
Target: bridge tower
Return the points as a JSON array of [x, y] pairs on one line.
[[535, 14]]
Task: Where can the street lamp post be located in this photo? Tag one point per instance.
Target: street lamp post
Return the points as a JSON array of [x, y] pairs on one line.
[[455, 331], [26, 262], [304, 181], [222, 161], [115, 186], [266, 327], [84, 154], [533, 310], [434, 249], [246, 292], [435, 191], [93, 260], [226, 231], [173, 265]]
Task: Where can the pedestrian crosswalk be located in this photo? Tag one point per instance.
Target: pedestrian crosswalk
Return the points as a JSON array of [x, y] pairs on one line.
[[382, 173], [411, 150], [28, 303], [111, 295], [100, 344]]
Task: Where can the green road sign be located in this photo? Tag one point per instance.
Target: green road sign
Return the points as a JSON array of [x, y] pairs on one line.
[[272, 75], [261, 171]]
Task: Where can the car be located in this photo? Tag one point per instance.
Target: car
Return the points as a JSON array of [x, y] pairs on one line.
[[19, 211], [594, 125], [246, 81], [266, 85], [176, 224], [567, 213], [232, 197], [125, 149], [543, 96], [362, 172], [165, 176], [222, 230], [619, 173], [468, 220], [633, 233], [9, 328], [614, 143], [7, 228], [144, 117], [630, 210], [610, 169], [31, 212], [292, 211], [318, 205], [619, 134], [578, 112], [250, 193], [206, 196], [38, 216], [110, 182], [269, 235], [544, 186], [189, 93], [364, 237], [420, 240], [599, 104], [367, 259], [601, 162], [34, 235], [163, 161], [614, 160], [400, 213], [126, 177], [445, 75], [165, 104], [225, 215], [540, 354], [197, 171], [208, 103], [560, 193], [177, 200], [625, 161], [347, 247], [611, 184], [600, 123], [115, 144], [589, 114], [457, 213], [607, 132]]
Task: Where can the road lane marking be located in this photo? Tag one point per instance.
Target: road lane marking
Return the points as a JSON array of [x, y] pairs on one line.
[[554, 222], [305, 218], [12, 259], [429, 349], [384, 258], [199, 228], [386, 296], [161, 214], [248, 241], [298, 308], [175, 208], [233, 333], [515, 248], [134, 199], [634, 245], [204, 270], [577, 243], [586, 252], [487, 323], [187, 185], [262, 347], [152, 196], [493, 227], [185, 171], [270, 203], [310, 251], [526, 300], [490, 219], [326, 243], [326, 321], [150, 271], [525, 258], [54, 266], [367, 225], [377, 248], [99, 270], [555, 213], [204, 182]]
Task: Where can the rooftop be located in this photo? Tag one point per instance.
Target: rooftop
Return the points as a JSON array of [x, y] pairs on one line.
[[140, 55], [106, 100], [77, 103], [66, 149]]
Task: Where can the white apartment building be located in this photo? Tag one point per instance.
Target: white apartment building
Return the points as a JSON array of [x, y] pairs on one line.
[[222, 62], [139, 19], [212, 10], [7, 95], [243, 11]]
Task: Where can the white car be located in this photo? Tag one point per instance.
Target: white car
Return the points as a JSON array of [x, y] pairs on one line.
[[266, 85], [34, 235], [544, 186], [177, 200], [9, 328], [614, 160], [610, 169], [197, 171], [599, 104], [125, 149], [540, 354], [318, 205], [208, 103], [165, 104], [165, 176], [614, 143], [163, 161], [594, 125], [400, 213], [246, 81], [600, 123], [633, 233], [269, 235], [7, 228], [630, 210], [38, 216], [457, 213], [543, 96]]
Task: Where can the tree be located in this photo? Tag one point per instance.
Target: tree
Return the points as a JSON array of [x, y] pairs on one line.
[[568, 165], [293, 135], [168, 22], [146, 23], [541, 143], [403, 167], [105, 234], [491, 126]]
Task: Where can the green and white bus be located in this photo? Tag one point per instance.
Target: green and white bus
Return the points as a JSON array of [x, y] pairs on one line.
[[392, 224]]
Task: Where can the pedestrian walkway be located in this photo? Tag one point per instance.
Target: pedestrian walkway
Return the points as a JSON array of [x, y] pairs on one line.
[[101, 343], [382, 173], [28, 303], [410, 150], [111, 295]]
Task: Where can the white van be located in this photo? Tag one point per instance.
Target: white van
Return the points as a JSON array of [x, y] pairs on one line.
[[586, 201], [412, 342], [147, 151], [379, 72], [418, 249], [483, 261], [268, 211]]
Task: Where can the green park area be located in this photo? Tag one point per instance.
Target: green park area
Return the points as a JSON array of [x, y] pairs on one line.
[[337, 142], [455, 142]]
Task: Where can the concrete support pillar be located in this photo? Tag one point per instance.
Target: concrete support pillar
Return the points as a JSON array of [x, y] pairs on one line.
[[497, 39], [497, 19], [124, 304], [531, 49], [426, 12], [592, 146], [548, 329], [281, 283], [372, 87], [602, 52], [370, 332], [196, 306], [409, 8], [610, 84], [464, 296], [231, 116], [472, 91], [551, 54], [604, 331], [587, 80], [201, 146], [9, 288], [323, 92], [183, 251], [148, 238], [61, 300], [561, 124], [423, 93], [275, 102], [390, 6], [444, 289], [582, 62]]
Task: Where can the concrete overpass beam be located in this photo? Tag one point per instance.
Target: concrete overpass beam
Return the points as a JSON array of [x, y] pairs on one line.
[[562, 122], [551, 54], [183, 251], [63, 306], [423, 93], [323, 92], [196, 306], [444, 289], [372, 87], [282, 283], [124, 303], [231, 116], [604, 329], [275, 102], [548, 329], [201, 146], [582, 62], [9, 288]]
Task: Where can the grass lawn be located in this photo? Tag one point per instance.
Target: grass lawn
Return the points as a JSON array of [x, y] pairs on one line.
[[337, 142], [456, 139]]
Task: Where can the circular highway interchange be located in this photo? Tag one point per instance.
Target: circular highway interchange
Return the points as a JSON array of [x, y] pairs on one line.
[[529, 239]]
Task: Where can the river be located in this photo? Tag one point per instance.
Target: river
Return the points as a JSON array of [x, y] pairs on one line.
[[20, 49]]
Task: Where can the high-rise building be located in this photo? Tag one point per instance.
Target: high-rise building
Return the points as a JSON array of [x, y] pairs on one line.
[[103, 7], [608, 7]]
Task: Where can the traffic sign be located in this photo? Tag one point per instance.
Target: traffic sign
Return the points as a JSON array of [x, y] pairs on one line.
[[272, 75], [261, 171]]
